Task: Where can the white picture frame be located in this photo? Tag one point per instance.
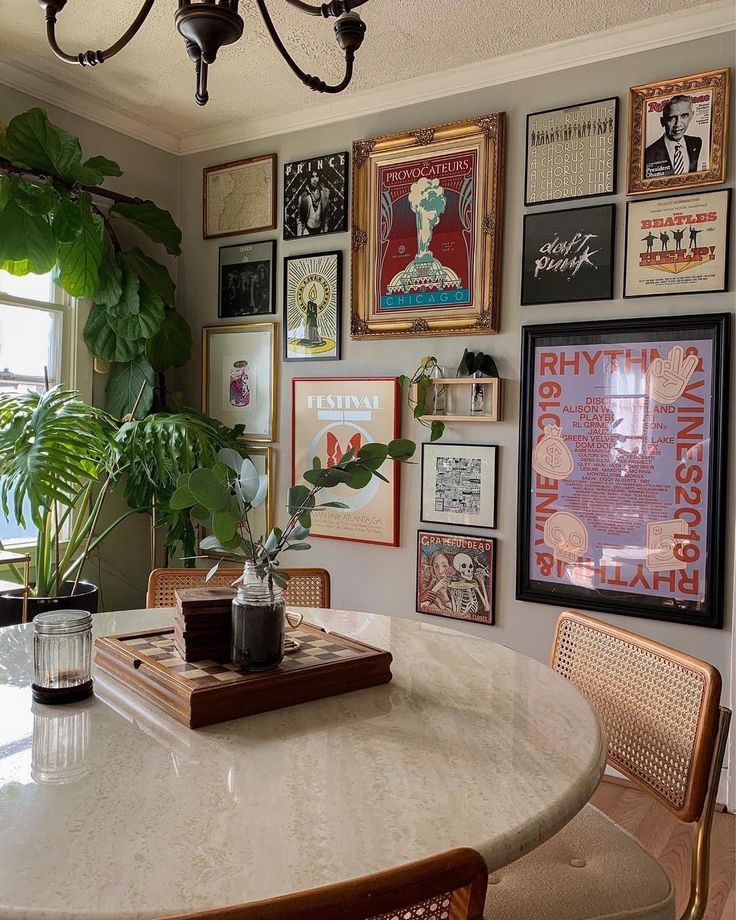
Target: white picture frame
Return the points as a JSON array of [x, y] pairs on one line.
[[459, 484]]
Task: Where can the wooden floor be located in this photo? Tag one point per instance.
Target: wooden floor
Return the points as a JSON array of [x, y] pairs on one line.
[[669, 842]]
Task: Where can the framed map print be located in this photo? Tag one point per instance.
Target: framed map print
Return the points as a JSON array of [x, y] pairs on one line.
[[316, 196], [427, 230], [568, 255], [312, 307], [622, 466], [678, 132], [571, 152], [459, 484], [239, 377], [247, 279], [239, 197], [331, 415], [677, 245], [456, 576]]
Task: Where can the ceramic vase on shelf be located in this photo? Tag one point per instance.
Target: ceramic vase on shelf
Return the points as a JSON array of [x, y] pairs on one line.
[[258, 623]]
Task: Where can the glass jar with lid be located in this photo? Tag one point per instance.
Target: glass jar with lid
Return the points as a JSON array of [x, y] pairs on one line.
[[62, 656]]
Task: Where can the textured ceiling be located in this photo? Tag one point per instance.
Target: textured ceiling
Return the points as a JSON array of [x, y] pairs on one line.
[[153, 80]]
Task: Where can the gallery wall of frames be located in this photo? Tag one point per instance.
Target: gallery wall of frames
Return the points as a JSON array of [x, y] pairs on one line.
[[575, 235]]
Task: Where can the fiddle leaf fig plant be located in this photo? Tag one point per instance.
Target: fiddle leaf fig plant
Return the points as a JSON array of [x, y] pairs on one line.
[[51, 219]]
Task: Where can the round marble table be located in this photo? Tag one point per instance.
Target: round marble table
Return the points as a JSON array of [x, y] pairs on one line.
[[111, 809]]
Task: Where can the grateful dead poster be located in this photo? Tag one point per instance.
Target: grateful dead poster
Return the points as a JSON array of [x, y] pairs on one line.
[[455, 576], [621, 507], [677, 245], [331, 415]]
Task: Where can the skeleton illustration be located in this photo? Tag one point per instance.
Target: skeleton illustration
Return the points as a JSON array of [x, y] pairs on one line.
[[468, 594], [566, 535]]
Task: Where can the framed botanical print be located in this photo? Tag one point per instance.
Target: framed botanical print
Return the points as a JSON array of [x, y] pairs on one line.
[[239, 377], [239, 197], [427, 230], [622, 464], [312, 307], [568, 255], [261, 518], [247, 279], [459, 484], [331, 415], [678, 132], [316, 196], [571, 152], [456, 576], [677, 245]]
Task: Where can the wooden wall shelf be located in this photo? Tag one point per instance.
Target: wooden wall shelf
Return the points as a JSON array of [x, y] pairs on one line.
[[494, 398]]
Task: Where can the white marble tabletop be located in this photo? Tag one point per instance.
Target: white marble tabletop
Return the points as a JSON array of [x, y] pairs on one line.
[[110, 809]]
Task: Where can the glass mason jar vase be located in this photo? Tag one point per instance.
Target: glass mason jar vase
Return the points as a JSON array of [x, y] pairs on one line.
[[258, 626], [62, 656]]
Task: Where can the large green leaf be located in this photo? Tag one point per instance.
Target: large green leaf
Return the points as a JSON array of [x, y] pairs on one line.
[[104, 342], [80, 260], [32, 140], [171, 346], [208, 489], [155, 275], [67, 222], [111, 276], [141, 325], [157, 224], [4, 191], [34, 199], [94, 170], [27, 243], [129, 302], [103, 166], [124, 385]]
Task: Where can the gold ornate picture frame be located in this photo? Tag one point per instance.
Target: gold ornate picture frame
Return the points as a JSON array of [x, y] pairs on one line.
[[697, 107], [427, 227]]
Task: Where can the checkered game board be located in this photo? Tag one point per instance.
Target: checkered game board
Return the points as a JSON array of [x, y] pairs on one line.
[[316, 648]]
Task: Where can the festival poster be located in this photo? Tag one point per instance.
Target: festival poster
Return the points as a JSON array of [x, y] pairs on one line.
[[622, 448], [677, 245], [330, 415], [426, 235], [455, 576]]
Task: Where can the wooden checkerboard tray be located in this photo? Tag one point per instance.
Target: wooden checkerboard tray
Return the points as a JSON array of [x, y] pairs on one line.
[[203, 692]]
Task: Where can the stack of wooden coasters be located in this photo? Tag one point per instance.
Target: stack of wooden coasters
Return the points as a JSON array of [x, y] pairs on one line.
[[203, 623]]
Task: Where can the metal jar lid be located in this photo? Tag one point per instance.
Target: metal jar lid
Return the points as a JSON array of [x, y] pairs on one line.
[[62, 622]]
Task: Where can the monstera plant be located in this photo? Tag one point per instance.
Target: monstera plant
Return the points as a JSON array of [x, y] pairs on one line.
[[51, 219]]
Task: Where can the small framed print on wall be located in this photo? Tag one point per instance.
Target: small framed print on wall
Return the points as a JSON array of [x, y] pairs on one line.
[[459, 484], [331, 415], [677, 245], [312, 307], [678, 132], [239, 377], [239, 197], [247, 279], [456, 576], [316, 196], [568, 256], [571, 152]]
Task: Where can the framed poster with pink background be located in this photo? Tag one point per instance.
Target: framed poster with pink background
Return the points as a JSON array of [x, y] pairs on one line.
[[622, 450]]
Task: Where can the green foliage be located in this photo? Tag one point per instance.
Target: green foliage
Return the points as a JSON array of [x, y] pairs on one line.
[[473, 361], [171, 346], [80, 260], [126, 381], [157, 224], [417, 398]]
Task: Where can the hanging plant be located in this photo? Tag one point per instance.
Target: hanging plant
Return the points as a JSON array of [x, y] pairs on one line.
[[50, 220]]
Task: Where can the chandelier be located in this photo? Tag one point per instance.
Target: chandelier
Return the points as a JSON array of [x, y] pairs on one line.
[[208, 25]]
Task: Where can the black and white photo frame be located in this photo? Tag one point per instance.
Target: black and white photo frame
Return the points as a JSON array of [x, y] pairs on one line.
[[459, 484], [316, 196], [247, 279]]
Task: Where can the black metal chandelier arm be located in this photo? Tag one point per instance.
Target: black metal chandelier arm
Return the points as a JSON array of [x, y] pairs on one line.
[[334, 8], [90, 58], [308, 79]]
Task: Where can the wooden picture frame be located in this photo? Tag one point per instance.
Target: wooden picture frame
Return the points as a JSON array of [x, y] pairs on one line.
[[440, 186], [228, 186], [331, 415], [313, 306], [239, 384], [329, 209], [551, 173], [701, 125], [468, 484], [622, 459], [246, 282], [456, 576]]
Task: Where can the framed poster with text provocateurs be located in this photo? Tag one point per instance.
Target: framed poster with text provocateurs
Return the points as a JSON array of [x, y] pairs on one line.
[[330, 416], [427, 214], [622, 446], [456, 576]]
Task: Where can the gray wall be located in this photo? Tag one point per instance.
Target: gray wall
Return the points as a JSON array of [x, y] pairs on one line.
[[382, 579]]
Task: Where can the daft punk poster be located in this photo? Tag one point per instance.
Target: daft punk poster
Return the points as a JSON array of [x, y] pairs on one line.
[[455, 576]]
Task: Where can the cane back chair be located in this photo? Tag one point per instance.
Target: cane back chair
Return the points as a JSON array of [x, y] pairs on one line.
[[305, 588], [450, 886], [666, 733]]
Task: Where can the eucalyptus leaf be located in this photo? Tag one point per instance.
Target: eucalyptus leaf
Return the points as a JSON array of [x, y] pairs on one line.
[[299, 532], [301, 546], [230, 458], [401, 449], [157, 224], [359, 477], [305, 519], [211, 544], [208, 490], [124, 385], [260, 496], [296, 498], [199, 513], [248, 478], [212, 572], [341, 505], [373, 455], [223, 526], [181, 498]]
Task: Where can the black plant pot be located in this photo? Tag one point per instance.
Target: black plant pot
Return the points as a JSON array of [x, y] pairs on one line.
[[11, 602]]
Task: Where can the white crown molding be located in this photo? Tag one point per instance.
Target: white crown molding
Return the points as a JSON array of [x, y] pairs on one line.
[[688, 25]]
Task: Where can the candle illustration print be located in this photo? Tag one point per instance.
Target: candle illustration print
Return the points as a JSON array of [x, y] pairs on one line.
[[312, 303]]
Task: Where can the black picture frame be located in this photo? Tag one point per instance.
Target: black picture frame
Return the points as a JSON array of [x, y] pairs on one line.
[[571, 270], [583, 587], [674, 285], [333, 170], [456, 542], [492, 451], [314, 264], [609, 190], [245, 262]]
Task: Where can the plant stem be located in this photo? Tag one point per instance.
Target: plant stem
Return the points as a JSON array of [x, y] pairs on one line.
[[117, 197]]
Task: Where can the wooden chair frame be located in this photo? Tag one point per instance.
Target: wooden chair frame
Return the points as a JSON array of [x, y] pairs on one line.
[[462, 874], [708, 750]]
